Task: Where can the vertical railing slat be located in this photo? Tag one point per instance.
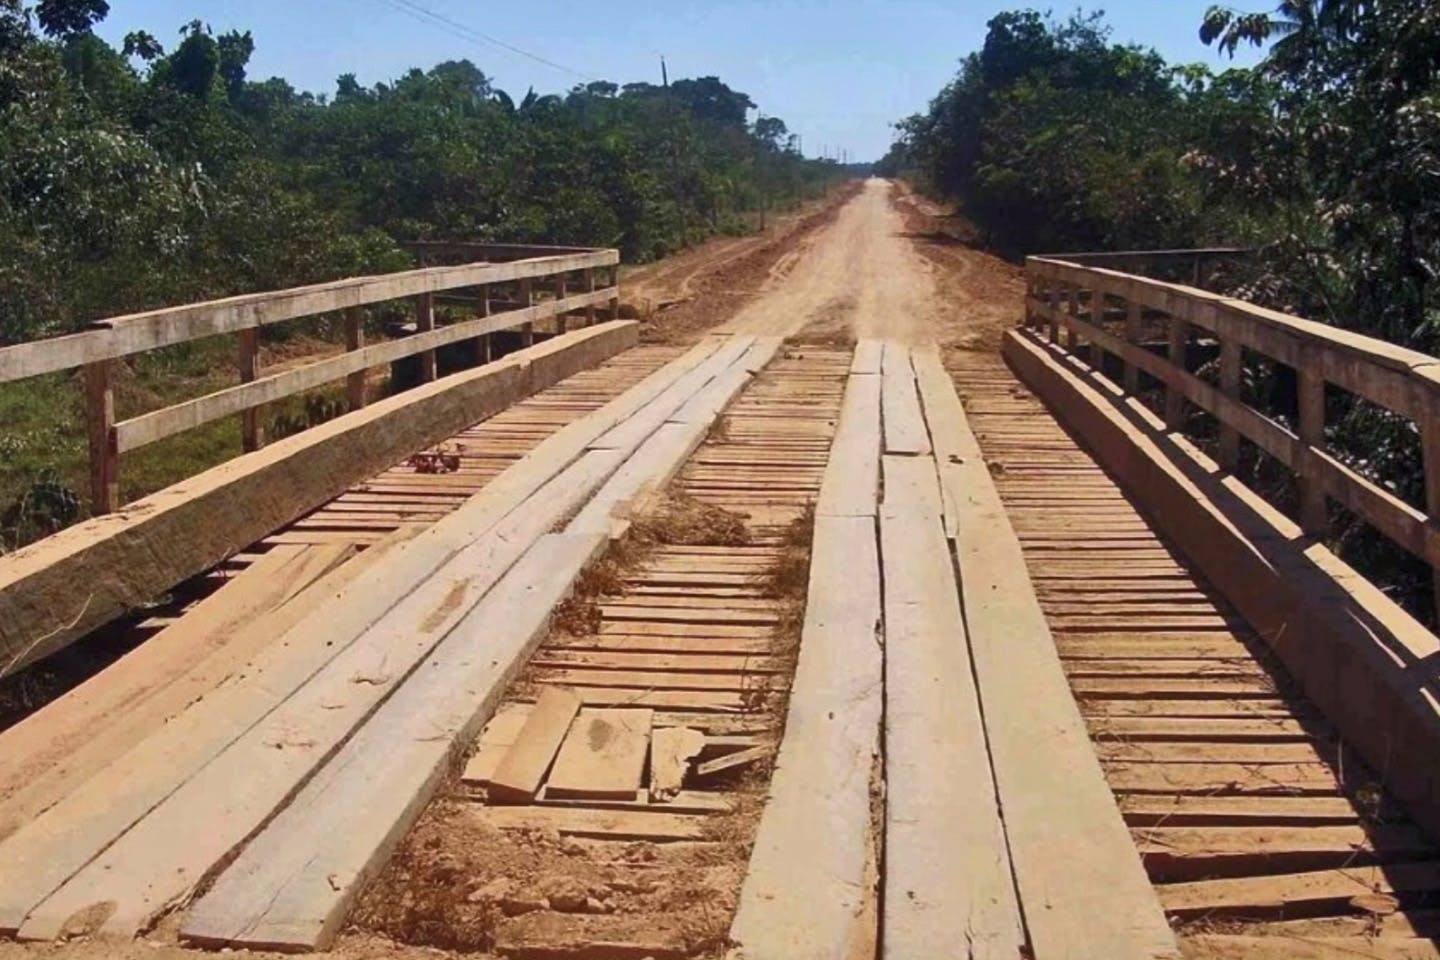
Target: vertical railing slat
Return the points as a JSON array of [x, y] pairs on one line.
[[100, 423], [1178, 339], [482, 342], [355, 340], [527, 299], [252, 422], [424, 322], [1310, 388], [1230, 368]]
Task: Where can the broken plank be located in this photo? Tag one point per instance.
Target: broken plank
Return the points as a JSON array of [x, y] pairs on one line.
[[602, 824], [1190, 852], [603, 755], [731, 761], [517, 778], [1279, 947], [671, 749], [495, 741], [1268, 896]]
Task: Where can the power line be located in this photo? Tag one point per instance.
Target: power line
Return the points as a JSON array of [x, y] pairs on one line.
[[418, 12]]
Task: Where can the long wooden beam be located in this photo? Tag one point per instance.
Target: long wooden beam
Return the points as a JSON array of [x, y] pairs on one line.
[[58, 589], [133, 333], [810, 890], [1083, 890]]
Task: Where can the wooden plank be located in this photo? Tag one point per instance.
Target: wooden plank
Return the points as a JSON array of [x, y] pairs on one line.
[[602, 824], [167, 421], [1143, 809], [88, 821], [904, 424], [1217, 777], [100, 426], [56, 749], [1210, 729], [294, 882], [807, 884], [1268, 895], [519, 775], [851, 479], [1084, 888], [494, 742], [671, 749], [1178, 853], [867, 357], [939, 796], [256, 763], [252, 426], [603, 755], [1211, 946], [125, 559], [731, 761], [133, 333], [355, 340], [1347, 663]]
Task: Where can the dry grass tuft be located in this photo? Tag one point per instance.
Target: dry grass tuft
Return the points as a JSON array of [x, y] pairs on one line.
[[576, 616], [682, 521], [789, 578]]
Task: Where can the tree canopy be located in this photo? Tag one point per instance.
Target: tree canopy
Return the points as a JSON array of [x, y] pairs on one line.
[[1325, 158], [163, 171]]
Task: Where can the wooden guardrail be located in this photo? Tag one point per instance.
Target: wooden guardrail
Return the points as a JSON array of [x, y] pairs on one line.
[[1078, 299], [97, 350], [1170, 264]]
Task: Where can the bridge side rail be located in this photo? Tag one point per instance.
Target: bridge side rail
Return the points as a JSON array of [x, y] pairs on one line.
[[1076, 299], [97, 350]]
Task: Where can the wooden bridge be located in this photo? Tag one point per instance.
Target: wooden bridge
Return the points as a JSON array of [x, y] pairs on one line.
[[851, 649]]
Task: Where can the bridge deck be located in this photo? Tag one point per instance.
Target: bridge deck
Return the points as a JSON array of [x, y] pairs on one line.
[[1252, 816], [1262, 835]]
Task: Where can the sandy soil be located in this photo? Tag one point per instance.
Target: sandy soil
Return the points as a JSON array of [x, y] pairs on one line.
[[882, 269], [682, 297]]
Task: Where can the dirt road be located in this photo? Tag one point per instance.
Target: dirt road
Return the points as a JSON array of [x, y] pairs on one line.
[[868, 274]]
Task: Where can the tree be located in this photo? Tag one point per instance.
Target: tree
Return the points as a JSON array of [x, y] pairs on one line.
[[69, 18], [139, 43]]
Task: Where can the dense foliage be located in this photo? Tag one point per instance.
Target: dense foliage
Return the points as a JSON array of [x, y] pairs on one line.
[[1054, 138], [144, 176], [1325, 158]]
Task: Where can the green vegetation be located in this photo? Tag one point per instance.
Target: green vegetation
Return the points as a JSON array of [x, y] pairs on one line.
[[162, 173], [1325, 158]]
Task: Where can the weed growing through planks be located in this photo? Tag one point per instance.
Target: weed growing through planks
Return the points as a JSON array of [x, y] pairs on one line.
[[679, 520], [576, 616]]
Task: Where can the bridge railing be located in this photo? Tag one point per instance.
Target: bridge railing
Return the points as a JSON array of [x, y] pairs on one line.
[[1194, 265], [512, 272], [1119, 314]]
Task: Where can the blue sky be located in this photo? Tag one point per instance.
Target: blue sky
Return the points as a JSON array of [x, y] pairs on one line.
[[838, 72]]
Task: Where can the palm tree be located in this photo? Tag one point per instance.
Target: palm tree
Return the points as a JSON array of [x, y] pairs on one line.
[[1300, 29]]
